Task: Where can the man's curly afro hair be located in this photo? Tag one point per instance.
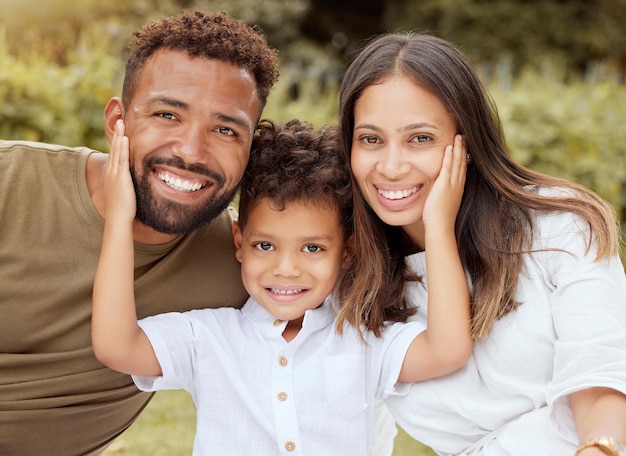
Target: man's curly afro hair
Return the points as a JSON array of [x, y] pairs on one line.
[[208, 35]]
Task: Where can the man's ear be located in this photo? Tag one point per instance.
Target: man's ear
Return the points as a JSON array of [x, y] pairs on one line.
[[238, 239], [113, 111]]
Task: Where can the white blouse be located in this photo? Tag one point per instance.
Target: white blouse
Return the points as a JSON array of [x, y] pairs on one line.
[[568, 334]]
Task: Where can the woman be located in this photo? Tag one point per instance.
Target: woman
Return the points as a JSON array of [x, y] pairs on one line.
[[548, 371]]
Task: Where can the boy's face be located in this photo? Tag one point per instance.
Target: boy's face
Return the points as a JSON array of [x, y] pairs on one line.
[[290, 259]]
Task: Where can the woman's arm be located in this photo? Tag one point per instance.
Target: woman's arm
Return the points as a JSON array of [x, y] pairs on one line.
[[447, 342], [117, 340], [587, 299], [599, 412]]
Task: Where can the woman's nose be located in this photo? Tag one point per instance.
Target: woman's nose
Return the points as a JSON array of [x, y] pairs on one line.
[[393, 163]]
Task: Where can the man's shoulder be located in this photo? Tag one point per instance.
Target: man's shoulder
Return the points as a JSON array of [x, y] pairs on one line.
[[217, 230], [39, 147]]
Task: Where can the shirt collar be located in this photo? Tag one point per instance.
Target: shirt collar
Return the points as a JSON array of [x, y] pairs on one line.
[[314, 319]]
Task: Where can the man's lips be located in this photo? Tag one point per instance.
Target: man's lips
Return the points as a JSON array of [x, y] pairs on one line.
[[179, 183], [183, 177]]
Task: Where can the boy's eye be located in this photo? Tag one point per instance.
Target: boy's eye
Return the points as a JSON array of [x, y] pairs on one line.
[[266, 246], [312, 248]]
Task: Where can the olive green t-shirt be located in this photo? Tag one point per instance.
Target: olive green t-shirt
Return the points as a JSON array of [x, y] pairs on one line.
[[55, 397]]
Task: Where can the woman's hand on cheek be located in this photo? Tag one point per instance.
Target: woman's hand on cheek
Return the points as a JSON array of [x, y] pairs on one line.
[[443, 201]]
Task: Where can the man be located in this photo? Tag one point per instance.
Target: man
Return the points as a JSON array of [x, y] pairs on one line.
[[194, 89]]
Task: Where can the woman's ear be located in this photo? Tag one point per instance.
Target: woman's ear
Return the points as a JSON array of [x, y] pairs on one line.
[[238, 239], [113, 111]]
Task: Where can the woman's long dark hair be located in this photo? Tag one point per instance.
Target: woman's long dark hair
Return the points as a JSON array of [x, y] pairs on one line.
[[494, 224]]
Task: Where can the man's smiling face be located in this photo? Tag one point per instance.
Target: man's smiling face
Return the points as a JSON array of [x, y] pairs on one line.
[[190, 124]]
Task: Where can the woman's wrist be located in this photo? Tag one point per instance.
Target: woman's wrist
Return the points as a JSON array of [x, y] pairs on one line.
[[591, 451], [601, 446]]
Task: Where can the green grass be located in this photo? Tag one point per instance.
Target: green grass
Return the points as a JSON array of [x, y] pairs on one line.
[[167, 427]]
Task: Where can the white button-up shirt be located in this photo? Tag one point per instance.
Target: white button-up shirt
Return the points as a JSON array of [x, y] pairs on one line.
[[257, 394]]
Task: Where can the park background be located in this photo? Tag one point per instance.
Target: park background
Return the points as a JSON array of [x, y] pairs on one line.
[[555, 68]]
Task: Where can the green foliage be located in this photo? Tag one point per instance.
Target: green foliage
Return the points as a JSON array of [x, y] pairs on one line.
[[404, 445], [278, 19], [44, 101], [307, 88], [165, 428], [575, 131], [573, 32]]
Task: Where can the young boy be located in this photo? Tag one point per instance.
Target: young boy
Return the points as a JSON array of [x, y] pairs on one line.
[[275, 376]]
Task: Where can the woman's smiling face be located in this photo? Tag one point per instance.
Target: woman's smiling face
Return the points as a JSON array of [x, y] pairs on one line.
[[400, 133]]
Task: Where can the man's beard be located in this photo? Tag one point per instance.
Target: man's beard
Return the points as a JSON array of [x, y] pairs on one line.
[[169, 217]]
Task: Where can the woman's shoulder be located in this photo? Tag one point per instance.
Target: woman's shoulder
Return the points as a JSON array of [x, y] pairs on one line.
[[560, 229]]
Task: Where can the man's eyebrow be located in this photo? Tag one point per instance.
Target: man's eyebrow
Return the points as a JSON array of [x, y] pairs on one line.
[[232, 119], [169, 102]]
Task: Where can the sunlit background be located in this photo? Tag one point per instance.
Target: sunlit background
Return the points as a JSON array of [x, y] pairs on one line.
[[556, 69]]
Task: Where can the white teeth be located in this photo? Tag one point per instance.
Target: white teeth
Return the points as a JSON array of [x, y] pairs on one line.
[[179, 184], [285, 292], [397, 194]]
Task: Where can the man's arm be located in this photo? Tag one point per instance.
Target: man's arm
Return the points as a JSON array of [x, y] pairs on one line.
[[447, 342], [117, 339]]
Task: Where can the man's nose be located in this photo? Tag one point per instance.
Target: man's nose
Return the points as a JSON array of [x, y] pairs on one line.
[[191, 145]]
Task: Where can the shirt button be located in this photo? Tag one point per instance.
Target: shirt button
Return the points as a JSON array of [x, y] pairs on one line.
[[283, 361], [282, 396], [278, 322], [290, 446]]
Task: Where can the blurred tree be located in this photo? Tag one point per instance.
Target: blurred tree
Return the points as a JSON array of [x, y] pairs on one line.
[[575, 33], [583, 37], [53, 27], [344, 24], [279, 20]]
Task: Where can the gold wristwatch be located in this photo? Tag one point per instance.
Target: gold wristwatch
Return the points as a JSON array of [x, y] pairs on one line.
[[608, 445]]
